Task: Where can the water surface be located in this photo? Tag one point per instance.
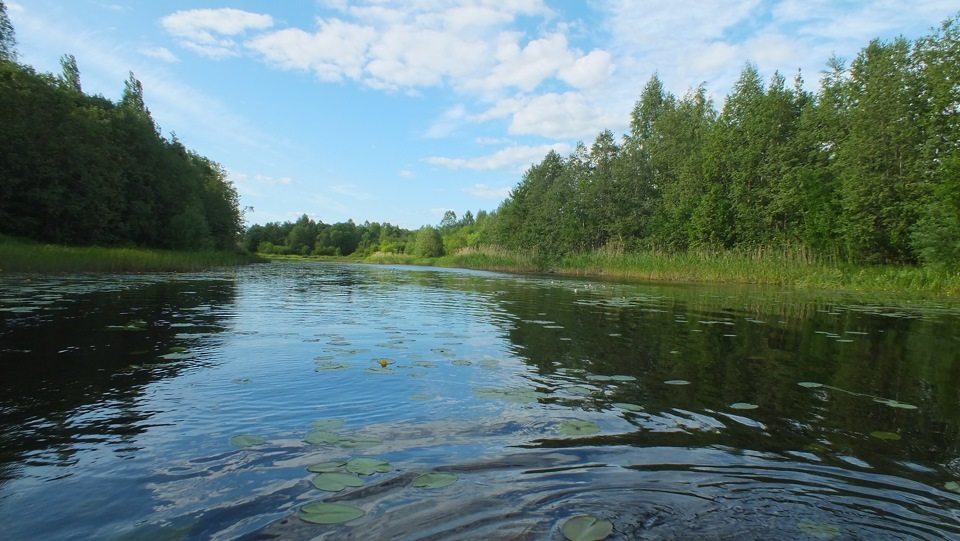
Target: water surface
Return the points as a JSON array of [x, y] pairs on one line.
[[723, 412]]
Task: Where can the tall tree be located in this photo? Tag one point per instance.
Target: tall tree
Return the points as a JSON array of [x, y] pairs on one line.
[[70, 73], [8, 38]]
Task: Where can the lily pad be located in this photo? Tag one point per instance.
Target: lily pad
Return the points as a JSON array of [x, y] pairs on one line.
[[423, 364], [247, 440], [332, 366], [321, 436], [380, 370], [435, 480], [461, 363], [891, 436], [743, 406], [329, 513], [578, 390], [368, 466], [895, 403], [326, 467], [576, 427], [598, 377], [517, 395], [952, 486], [817, 529], [677, 382], [327, 424], [623, 378], [336, 481], [358, 442], [586, 528], [627, 406], [810, 384]]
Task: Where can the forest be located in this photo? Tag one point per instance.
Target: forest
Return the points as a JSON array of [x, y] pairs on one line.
[[865, 170], [82, 170]]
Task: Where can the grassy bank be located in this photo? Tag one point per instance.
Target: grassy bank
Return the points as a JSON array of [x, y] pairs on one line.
[[25, 256], [786, 267]]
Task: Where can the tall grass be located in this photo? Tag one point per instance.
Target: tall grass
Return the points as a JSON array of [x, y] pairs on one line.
[[25, 256]]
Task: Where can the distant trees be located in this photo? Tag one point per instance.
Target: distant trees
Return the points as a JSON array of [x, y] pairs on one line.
[[82, 170], [307, 237], [8, 39]]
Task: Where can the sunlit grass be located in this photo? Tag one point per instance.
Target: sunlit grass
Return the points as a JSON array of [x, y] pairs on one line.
[[26, 256]]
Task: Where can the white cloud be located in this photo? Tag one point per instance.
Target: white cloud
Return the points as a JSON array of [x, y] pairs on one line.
[[160, 53], [514, 157], [405, 173], [204, 30], [487, 192], [569, 115], [467, 45]]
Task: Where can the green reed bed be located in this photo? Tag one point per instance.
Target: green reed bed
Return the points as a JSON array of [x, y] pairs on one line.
[[23, 256]]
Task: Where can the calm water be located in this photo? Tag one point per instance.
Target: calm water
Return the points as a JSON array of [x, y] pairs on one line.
[[120, 395]]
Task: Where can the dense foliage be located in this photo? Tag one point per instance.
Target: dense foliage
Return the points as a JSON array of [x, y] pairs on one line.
[[82, 170], [307, 237], [866, 169]]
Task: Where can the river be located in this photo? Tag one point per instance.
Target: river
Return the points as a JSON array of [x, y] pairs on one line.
[[191, 406]]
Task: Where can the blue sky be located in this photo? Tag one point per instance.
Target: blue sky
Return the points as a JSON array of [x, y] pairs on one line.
[[398, 110]]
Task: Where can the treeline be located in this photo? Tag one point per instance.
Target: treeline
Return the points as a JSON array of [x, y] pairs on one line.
[[866, 169], [307, 237], [82, 170]]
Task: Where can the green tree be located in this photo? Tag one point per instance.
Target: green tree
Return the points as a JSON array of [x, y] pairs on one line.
[[8, 38], [879, 167], [428, 242], [70, 73]]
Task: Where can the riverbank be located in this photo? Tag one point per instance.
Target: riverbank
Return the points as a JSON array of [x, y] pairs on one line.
[[771, 267], [17, 255]]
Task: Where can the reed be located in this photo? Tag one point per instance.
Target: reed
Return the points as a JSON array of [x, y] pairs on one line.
[[25, 256]]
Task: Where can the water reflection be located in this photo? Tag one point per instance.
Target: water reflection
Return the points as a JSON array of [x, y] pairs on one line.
[[76, 367], [703, 429]]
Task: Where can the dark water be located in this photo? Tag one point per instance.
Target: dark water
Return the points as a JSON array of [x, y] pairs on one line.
[[119, 396]]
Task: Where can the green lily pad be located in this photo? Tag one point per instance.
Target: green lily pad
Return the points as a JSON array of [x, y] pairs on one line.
[[321, 436], [368, 466], [743, 406], [423, 364], [586, 528], [326, 467], [576, 427], [623, 378], [336, 481], [435, 480], [380, 370], [358, 442], [891, 436], [627, 406], [332, 366], [677, 382], [517, 395], [578, 390], [895, 403], [810, 384], [177, 349], [247, 440], [597, 377], [952, 486], [461, 363], [817, 529], [329, 513], [327, 424]]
